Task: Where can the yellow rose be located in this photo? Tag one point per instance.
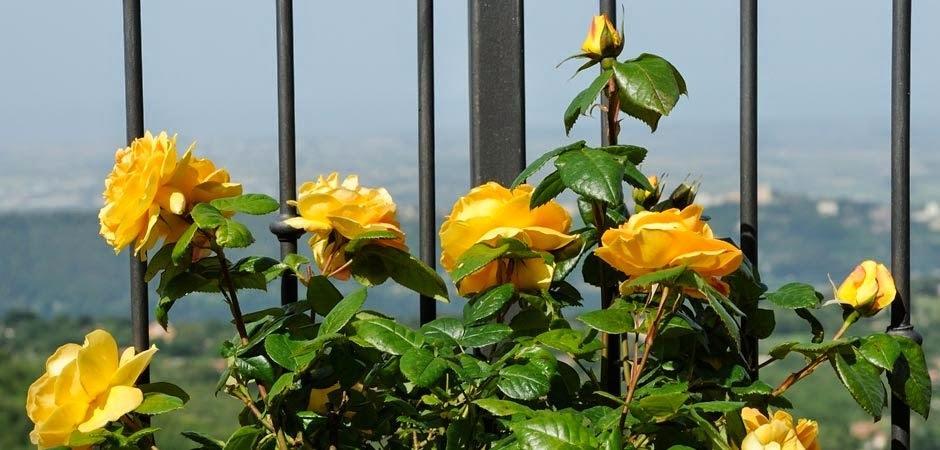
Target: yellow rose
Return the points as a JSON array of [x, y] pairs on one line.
[[337, 212], [777, 432], [491, 212], [652, 241], [84, 388], [602, 39], [869, 288], [150, 189], [319, 399]]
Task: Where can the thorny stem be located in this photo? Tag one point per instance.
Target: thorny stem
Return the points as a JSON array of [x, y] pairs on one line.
[[809, 368], [637, 368]]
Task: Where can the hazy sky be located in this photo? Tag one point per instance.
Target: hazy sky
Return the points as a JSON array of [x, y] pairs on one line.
[[209, 73]]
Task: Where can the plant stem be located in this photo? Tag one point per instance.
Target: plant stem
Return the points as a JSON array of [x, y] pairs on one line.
[[231, 296], [638, 367], [809, 368]]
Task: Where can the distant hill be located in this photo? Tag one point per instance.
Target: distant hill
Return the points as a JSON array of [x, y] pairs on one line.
[[54, 263]]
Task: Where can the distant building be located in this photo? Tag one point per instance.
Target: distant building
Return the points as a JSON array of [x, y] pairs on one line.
[[827, 208]]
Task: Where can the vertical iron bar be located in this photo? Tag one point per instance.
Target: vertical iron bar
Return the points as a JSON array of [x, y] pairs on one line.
[[426, 194], [749, 152], [287, 166], [608, 7], [134, 111], [497, 91], [610, 358], [900, 201]]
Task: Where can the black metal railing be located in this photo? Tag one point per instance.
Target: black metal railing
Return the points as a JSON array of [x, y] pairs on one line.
[[497, 142]]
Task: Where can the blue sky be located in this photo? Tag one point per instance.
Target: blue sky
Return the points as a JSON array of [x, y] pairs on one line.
[[209, 73]]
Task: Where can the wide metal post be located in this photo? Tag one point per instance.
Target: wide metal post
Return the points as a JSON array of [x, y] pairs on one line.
[[134, 114], [287, 165], [748, 149], [901, 202], [427, 221], [497, 91]]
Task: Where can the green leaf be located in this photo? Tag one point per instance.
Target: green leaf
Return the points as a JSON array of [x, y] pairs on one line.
[[483, 306], [810, 350], [459, 435], [557, 431], [207, 217], [548, 189], [523, 382], [662, 406], [476, 258], [719, 406], [256, 204], [880, 349], [289, 353], [816, 327], [445, 329], [158, 262], [255, 368], [207, 442], [322, 295], [388, 336], [500, 408], [636, 178], [243, 439], [762, 324], [629, 153], [232, 234], [862, 379], [421, 367], [795, 295], [160, 398], [612, 320], [714, 301], [582, 103], [909, 378], [570, 341], [367, 238], [649, 87], [483, 335], [283, 383], [408, 271], [541, 160], [592, 173], [662, 276], [340, 315], [79, 439]]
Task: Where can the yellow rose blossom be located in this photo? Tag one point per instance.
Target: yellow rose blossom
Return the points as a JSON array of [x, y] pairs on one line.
[[337, 212], [778, 432], [491, 212], [652, 241], [602, 39], [84, 388], [151, 188], [868, 289]]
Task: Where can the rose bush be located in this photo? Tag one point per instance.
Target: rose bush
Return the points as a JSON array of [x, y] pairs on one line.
[[663, 363]]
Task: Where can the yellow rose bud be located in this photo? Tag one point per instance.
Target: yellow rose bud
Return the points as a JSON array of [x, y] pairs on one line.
[[602, 40], [777, 432], [150, 190], [491, 212], [868, 289], [646, 200], [319, 399], [651, 241], [84, 388], [337, 212]]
